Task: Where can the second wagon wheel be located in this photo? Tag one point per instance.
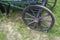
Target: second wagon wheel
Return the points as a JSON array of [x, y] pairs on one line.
[[2, 9], [37, 19], [51, 3]]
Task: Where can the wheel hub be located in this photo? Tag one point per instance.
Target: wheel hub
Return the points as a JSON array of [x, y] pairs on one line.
[[36, 20]]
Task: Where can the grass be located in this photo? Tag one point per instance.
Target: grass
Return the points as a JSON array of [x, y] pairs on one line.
[[2, 35], [55, 30], [28, 34]]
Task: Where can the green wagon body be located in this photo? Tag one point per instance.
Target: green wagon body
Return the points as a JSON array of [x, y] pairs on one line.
[[15, 3]]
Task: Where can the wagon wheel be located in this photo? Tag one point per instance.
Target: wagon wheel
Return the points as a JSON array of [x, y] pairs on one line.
[[2, 9], [36, 19], [51, 3]]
